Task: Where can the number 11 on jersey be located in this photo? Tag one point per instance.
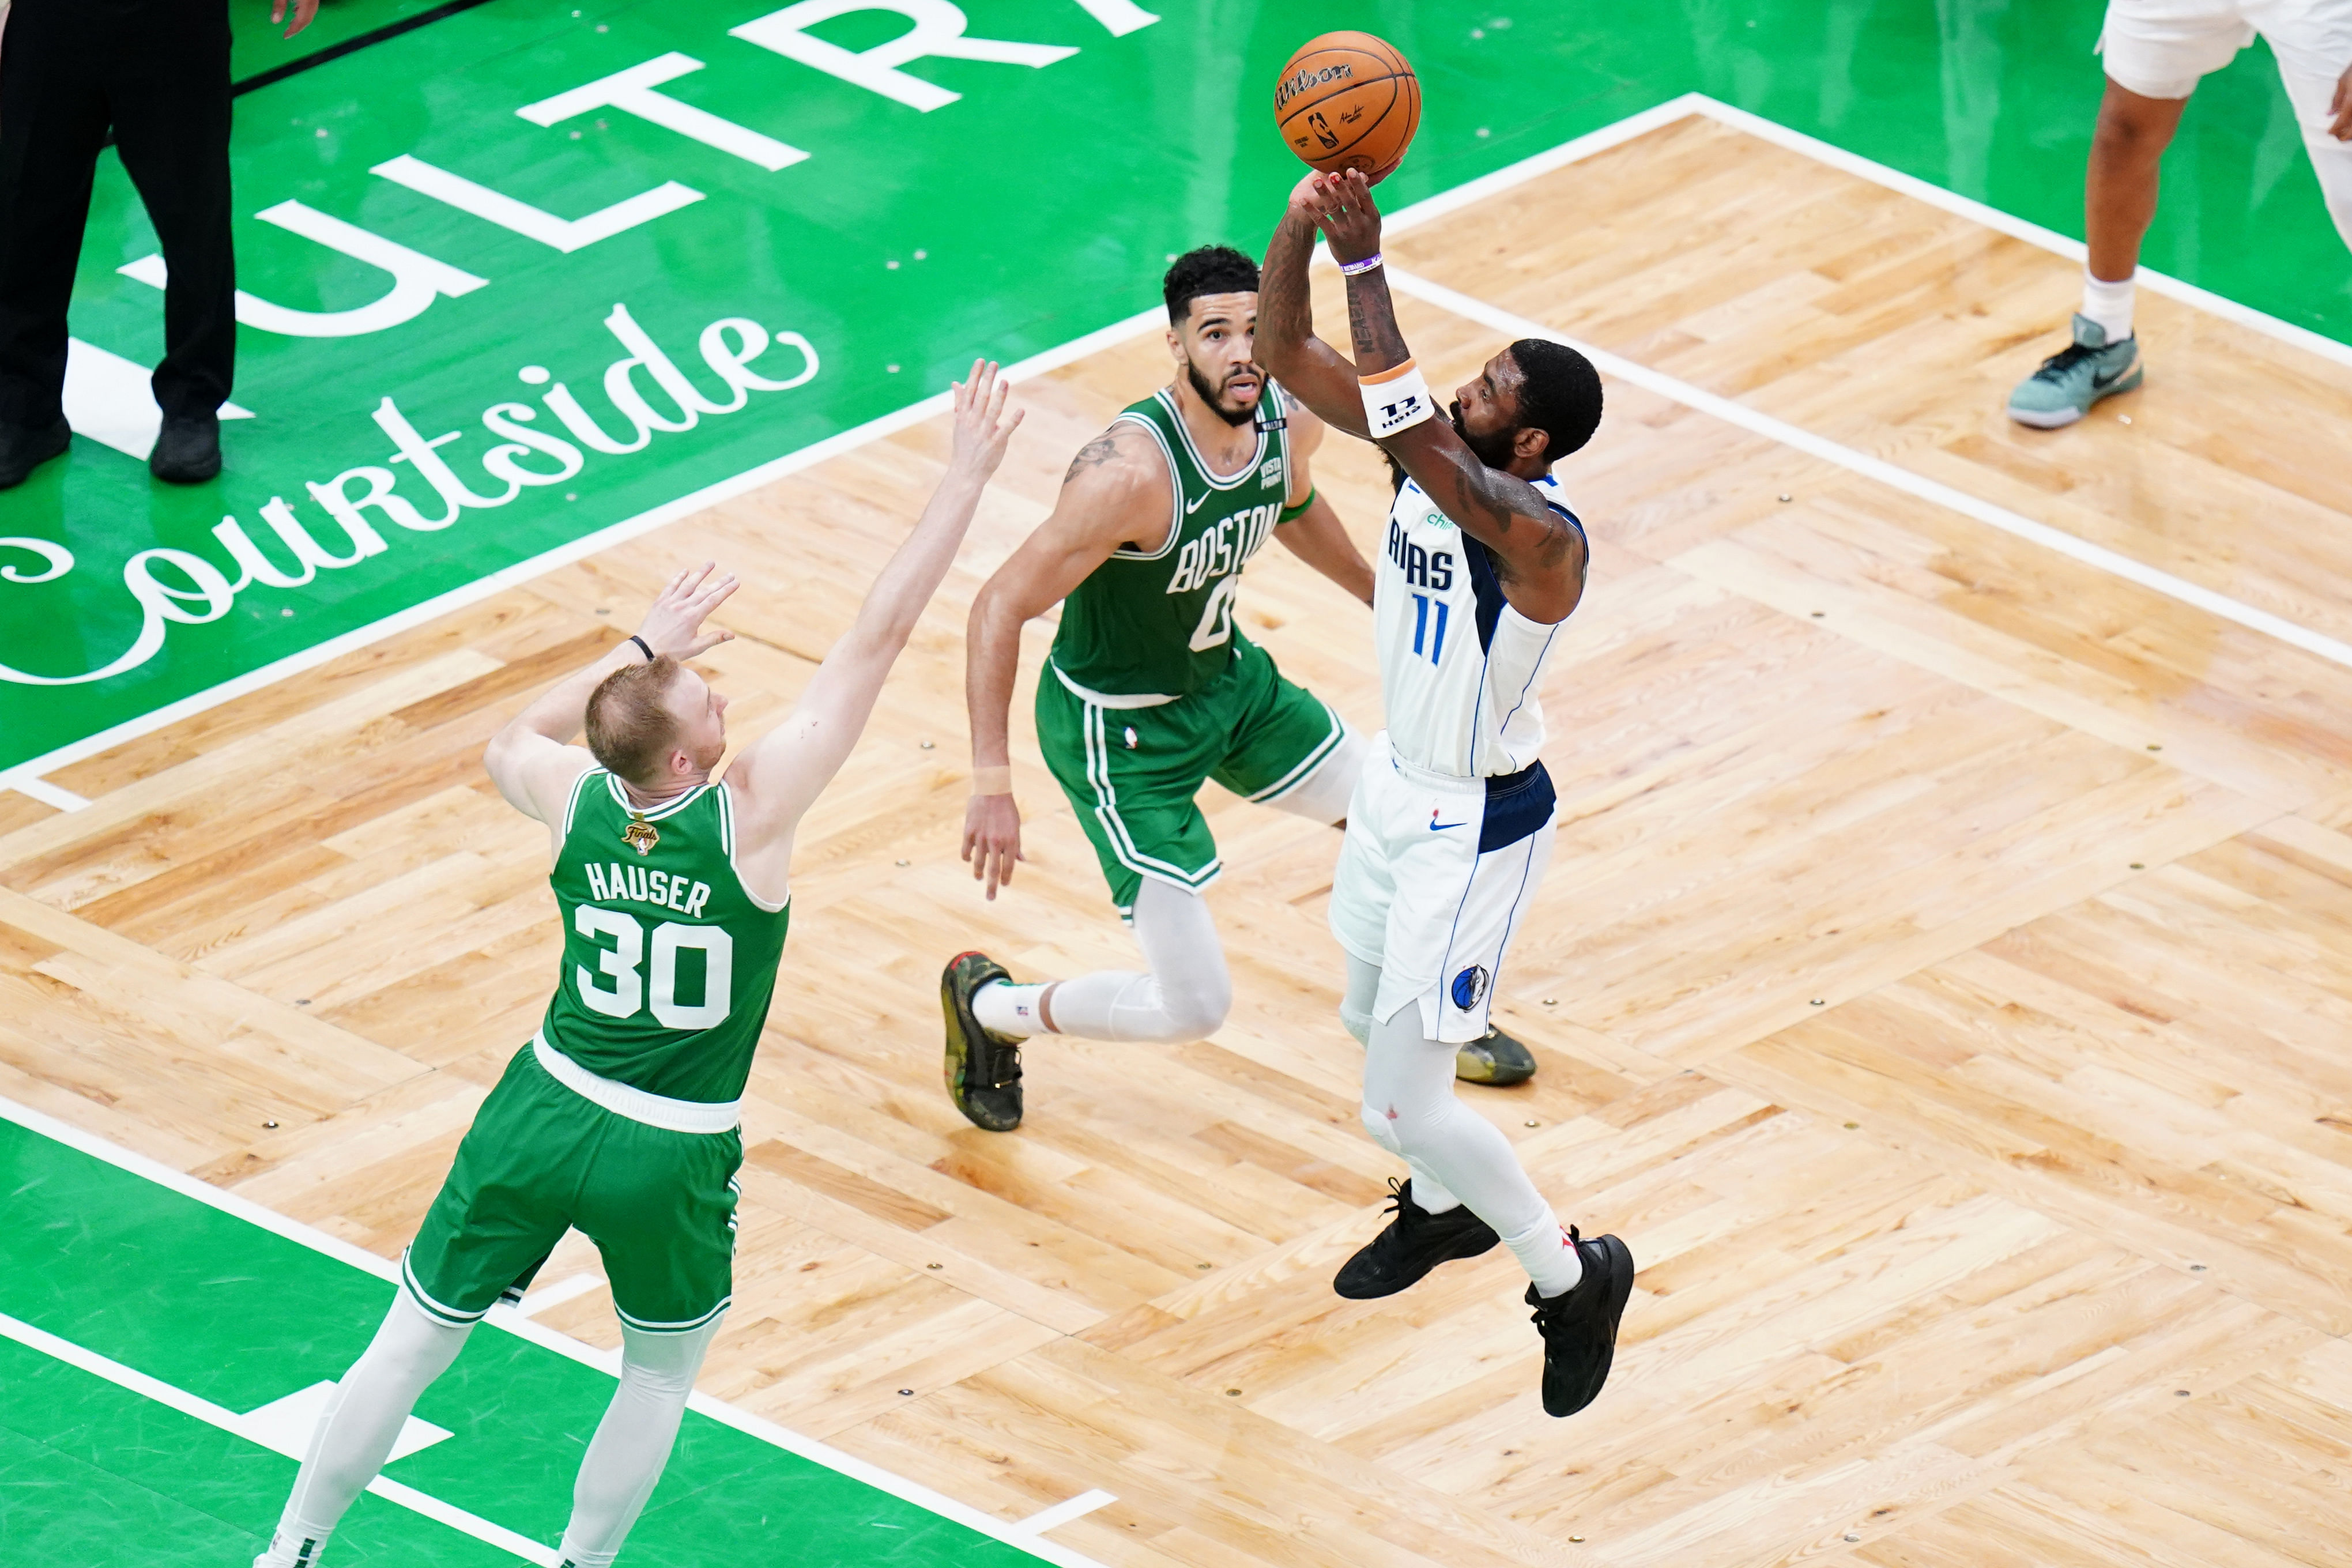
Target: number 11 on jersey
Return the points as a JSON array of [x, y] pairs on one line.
[[1421, 631]]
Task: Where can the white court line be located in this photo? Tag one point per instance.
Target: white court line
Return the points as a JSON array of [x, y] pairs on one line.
[[555, 1295], [1061, 1514], [1402, 219], [205, 1411], [504, 1319], [2094, 555], [47, 793]]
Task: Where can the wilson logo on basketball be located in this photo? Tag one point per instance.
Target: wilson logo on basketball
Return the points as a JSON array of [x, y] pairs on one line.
[[1298, 82]]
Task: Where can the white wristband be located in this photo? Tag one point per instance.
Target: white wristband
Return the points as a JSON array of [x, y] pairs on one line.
[[1395, 399]]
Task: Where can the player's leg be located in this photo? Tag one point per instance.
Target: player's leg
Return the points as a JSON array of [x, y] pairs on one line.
[[2154, 54], [1293, 752], [1184, 995], [492, 1225], [660, 1206], [1130, 775], [2313, 46], [1458, 893], [633, 1443], [361, 1423]]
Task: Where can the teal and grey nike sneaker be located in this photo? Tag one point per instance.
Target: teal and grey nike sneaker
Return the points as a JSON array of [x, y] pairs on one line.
[[2075, 377]]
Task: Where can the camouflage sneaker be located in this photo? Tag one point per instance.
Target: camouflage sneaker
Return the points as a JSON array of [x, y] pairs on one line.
[[2075, 377], [1495, 1059], [983, 1067]]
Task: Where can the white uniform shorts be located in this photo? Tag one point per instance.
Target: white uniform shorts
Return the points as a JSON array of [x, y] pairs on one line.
[[1434, 878], [2159, 49]]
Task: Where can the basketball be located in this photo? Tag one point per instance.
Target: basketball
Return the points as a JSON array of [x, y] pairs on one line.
[[1348, 101]]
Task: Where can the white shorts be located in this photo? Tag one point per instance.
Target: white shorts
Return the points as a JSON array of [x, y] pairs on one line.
[[1436, 874], [2159, 49]]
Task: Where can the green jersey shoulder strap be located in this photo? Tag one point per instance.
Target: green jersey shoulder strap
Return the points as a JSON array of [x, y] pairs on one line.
[[1147, 626]]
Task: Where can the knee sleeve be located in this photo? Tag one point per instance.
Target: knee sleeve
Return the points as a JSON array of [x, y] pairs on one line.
[[365, 1416], [1376, 1122], [1324, 793], [633, 1443], [1356, 1002]]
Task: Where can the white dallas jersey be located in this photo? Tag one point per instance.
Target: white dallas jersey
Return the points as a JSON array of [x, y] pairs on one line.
[[1458, 665]]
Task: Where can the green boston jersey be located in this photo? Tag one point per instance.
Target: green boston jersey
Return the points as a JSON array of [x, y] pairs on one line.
[[668, 962], [1159, 623]]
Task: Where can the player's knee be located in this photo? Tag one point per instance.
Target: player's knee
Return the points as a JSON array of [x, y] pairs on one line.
[[1357, 1021], [1197, 1008], [1383, 1128], [2133, 127]]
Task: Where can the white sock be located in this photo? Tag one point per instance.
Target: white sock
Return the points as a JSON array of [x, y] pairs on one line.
[[2110, 304], [1009, 1009], [633, 1442], [1545, 1252], [356, 1431]]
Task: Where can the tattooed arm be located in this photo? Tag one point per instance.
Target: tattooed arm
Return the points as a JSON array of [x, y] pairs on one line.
[[1540, 557], [1309, 368], [1117, 492]]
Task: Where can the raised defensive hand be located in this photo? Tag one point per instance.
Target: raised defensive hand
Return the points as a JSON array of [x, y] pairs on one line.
[[982, 429], [674, 625]]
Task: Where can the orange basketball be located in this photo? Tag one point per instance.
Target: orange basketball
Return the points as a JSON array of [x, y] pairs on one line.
[[1348, 101]]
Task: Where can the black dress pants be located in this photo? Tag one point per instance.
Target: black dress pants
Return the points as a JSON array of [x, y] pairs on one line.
[[156, 73]]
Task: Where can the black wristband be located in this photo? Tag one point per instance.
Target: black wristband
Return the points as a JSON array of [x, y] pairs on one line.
[[641, 643]]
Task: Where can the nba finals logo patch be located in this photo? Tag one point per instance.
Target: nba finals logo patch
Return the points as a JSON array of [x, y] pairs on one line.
[[1469, 986], [641, 836]]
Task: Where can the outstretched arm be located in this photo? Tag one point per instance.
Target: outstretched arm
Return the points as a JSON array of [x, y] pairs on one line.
[[1316, 535], [531, 760], [779, 775], [1540, 557], [1313, 370], [1117, 492]]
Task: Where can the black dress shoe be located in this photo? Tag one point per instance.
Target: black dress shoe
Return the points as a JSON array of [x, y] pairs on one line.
[[187, 449], [22, 451]]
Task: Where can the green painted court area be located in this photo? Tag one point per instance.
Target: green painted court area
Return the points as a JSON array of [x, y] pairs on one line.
[[220, 1310], [517, 276]]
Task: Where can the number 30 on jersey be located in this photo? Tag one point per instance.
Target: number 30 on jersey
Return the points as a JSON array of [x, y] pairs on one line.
[[629, 992]]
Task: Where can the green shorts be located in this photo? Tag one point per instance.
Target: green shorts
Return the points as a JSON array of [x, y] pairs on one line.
[[1131, 772], [539, 1160]]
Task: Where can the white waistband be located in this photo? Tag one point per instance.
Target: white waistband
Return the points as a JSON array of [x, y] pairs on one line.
[[1104, 699], [1429, 778], [636, 1104]]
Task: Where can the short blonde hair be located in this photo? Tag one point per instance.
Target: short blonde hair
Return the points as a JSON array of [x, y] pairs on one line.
[[630, 727]]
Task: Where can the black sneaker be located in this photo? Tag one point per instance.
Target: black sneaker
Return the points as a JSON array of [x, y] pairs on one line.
[[1580, 1325], [983, 1067], [22, 451], [1496, 1059], [1415, 1242], [187, 449]]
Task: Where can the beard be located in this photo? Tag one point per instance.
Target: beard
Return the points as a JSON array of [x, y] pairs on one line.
[[1493, 449], [1215, 398]]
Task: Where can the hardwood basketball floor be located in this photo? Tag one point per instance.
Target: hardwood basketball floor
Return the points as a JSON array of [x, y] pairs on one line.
[[1942, 981]]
